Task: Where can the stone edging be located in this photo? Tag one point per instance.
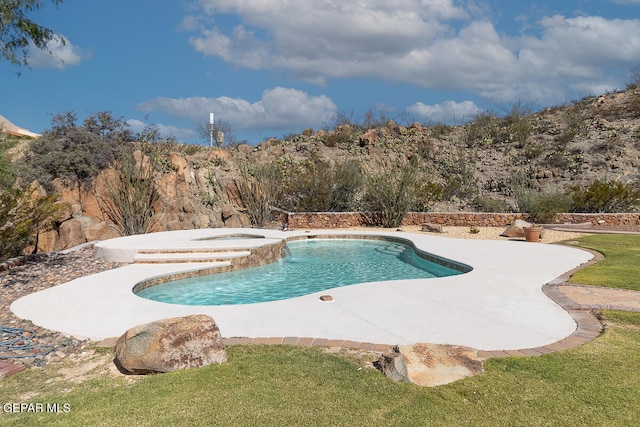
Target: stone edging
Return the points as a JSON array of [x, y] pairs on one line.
[[302, 220], [588, 327]]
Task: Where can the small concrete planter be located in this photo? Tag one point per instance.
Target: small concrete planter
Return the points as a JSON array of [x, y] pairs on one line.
[[532, 234]]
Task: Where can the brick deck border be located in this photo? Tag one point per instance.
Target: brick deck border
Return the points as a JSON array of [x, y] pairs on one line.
[[588, 328]]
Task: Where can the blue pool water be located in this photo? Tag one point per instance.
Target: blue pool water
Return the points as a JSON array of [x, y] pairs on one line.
[[313, 266]]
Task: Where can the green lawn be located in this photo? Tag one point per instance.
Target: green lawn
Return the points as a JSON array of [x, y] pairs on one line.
[[621, 266], [596, 384]]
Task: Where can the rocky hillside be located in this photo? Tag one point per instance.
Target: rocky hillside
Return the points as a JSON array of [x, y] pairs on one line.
[[477, 166], [596, 138]]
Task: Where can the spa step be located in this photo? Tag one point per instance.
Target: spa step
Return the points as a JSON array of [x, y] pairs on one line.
[[180, 257]]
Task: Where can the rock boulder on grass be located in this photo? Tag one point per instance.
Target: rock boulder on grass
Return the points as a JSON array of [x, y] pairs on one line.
[[169, 345], [430, 365]]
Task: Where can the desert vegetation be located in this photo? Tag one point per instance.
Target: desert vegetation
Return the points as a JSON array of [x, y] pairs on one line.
[[580, 157], [24, 212]]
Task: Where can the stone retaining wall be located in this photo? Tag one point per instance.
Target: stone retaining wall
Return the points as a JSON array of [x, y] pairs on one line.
[[463, 219]]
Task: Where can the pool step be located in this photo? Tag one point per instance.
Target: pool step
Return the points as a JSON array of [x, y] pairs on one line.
[[187, 256]]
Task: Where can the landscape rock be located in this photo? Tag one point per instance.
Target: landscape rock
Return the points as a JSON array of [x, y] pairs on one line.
[[227, 211], [72, 232], [47, 241], [169, 345], [516, 230], [237, 221], [430, 365], [101, 231], [432, 228], [369, 137]]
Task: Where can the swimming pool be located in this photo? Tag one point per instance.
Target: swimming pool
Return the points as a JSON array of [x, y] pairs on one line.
[[312, 266]]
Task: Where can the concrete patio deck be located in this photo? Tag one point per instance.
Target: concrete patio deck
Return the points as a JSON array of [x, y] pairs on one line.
[[499, 305]]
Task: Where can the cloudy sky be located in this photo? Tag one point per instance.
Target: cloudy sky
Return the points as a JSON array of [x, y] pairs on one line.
[[272, 67]]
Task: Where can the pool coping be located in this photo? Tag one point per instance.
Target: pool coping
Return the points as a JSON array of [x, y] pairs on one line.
[[580, 329]]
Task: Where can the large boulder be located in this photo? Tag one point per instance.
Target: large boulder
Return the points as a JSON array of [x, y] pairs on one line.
[[369, 137], [430, 365], [516, 230], [169, 345], [72, 232]]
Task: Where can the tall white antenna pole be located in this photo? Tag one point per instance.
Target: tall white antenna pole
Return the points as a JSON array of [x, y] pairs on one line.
[[211, 130]]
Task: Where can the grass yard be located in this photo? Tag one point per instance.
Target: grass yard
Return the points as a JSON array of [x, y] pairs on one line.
[[596, 384], [621, 266]]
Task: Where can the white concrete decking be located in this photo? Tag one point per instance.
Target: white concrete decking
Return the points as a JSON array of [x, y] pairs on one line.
[[498, 305]]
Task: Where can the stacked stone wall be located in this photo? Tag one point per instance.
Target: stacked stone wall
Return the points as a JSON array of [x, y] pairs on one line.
[[462, 219]]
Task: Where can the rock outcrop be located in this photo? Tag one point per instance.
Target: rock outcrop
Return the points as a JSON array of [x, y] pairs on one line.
[[187, 199], [169, 345], [430, 365]]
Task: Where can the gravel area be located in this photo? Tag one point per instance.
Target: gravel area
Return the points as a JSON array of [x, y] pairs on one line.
[[22, 341]]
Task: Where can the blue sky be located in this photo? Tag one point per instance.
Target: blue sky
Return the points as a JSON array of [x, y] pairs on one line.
[[272, 67]]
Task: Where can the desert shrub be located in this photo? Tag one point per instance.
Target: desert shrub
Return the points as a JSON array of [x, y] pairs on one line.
[[346, 181], [343, 135], [427, 193], [534, 149], [7, 171], [562, 157], [576, 123], [23, 213], [517, 124], [440, 130], [488, 129], [542, 206], [483, 130], [75, 152], [317, 186], [610, 144], [489, 204], [132, 194], [545, 206], [458, 170], [257, 188], [372, 119], [425, 148], [635, 78], [392, 193], [605, 196]]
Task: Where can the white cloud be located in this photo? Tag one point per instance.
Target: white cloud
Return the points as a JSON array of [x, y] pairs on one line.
[[432, 43], [322, 38], [181, 134], [278, 109], [450, 112], [56, 55]]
